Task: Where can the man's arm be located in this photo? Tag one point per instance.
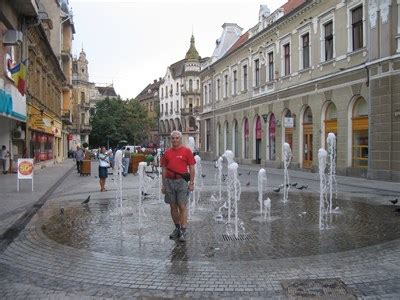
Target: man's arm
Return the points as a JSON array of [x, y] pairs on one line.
[[192, 175]]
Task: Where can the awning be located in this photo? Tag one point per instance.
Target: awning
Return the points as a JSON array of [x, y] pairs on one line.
[[12, 103]]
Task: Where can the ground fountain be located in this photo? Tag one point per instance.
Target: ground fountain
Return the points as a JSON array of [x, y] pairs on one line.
[[267, 209], [219, 165], [142, 190], [159, 169], [234, 191], [287, 158], [118, 178], [331, 141], [198, 181], [323, 199], [191, 144], [262, 181]]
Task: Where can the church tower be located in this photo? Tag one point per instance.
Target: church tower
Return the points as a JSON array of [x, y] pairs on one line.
[[80, 68]]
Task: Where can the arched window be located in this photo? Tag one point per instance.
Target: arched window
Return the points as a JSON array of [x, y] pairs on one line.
[[360, 134], [246, 138], [271, 137], [235, 138], [307, 138]]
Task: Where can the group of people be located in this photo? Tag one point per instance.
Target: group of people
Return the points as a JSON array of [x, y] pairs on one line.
[[178, 175]]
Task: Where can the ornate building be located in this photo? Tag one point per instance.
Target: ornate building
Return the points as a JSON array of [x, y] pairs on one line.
[[82, 89], [310, 68], [149, 98], [180, 97]]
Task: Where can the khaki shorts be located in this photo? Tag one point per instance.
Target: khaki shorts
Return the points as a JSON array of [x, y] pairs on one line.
[[176, 191]]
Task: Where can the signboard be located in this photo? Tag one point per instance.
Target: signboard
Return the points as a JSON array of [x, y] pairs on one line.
[[25, 170], [288, 122]]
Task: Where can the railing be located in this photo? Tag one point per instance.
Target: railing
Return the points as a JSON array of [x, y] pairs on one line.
[[66, 116], [190, 111], [85, 105], [86, 127], [190, 91]]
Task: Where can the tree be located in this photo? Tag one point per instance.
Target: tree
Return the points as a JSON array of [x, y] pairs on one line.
[[115, 119]]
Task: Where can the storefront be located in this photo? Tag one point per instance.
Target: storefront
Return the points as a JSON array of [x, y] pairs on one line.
[[44, 135], [12, 122]]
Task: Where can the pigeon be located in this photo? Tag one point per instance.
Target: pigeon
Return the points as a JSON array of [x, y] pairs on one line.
[[293, 184], [95, 176], [145, 194], [302, 187], [394, 201], [87, 200], [61, 210], [203, 175], [249, 173], [247, 184], [240, 174], [150, 177], [277, 190]]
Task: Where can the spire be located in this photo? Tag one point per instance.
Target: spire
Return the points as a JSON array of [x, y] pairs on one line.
[[192, 52]]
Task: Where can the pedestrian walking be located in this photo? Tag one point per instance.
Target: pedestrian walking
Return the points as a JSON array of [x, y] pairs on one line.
[[178, 183], [4, 155], [104, 164], [79, 155], [125, 161]]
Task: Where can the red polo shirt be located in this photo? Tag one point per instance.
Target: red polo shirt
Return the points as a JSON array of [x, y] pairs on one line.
[[177, 160]]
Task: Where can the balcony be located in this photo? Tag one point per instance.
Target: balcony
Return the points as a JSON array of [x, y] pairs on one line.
[[66, 117], [85, 105], [86, 128], [66, 54], [190, 111], [190, 92]]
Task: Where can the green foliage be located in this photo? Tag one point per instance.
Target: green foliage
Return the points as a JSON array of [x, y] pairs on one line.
[[116, 119]]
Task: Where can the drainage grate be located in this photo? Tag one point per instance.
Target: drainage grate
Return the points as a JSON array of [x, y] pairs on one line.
[[329, 288], [240, 237]]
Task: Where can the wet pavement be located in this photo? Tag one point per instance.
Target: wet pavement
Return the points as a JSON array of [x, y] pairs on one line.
[[91, 251]]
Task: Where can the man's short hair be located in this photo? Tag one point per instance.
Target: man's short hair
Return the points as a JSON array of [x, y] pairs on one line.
[[176, 132]]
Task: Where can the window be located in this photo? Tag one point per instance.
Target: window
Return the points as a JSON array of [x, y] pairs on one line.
[[177, 88], [162, 108], [177, 106], [162, 93], [286, 51], [208, 135], [205, 94], [257, 72], [166, 108], [271, 66], [306, 50], [166, 92], [82, 97], [218, 96], [209, 93], [235, 82], [245, 78], [357, 27], [190, 85], [226, 86], [171, 91], [328, 30], [197, 84]]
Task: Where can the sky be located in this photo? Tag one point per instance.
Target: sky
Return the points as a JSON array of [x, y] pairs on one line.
[[130, 43]]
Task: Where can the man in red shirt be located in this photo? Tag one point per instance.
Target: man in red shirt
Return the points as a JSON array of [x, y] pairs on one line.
[[175, 162]]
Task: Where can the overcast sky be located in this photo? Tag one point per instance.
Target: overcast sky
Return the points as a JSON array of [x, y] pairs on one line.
[[132, 42]]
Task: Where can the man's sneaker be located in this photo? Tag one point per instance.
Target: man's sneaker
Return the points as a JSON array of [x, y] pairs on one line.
[[175, 234], [183, 236]]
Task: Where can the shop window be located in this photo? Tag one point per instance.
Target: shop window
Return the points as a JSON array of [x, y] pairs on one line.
[[360, 134]]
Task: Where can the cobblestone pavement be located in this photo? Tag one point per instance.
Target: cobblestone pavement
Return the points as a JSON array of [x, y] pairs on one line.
[[69, 250]]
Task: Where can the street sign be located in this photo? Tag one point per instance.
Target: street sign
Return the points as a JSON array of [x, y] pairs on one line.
[[25, 170]]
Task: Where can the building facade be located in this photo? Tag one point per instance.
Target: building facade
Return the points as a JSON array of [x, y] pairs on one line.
[[307, 69], [13, 51], [82, 89], [150, 100], [180, 98]]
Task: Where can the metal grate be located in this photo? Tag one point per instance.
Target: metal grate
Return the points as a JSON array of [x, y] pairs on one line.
[[240, 237], [328, 288]]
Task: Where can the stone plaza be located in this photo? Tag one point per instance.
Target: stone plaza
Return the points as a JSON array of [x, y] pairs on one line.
[[55, 247]]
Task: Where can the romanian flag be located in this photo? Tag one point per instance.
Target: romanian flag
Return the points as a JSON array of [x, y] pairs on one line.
[[18, 74]]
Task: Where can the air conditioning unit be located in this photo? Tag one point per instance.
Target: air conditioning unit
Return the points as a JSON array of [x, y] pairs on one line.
[[12, 37], [18, 134]]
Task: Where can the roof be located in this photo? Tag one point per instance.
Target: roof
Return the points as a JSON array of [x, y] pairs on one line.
[[192, 52], [242, 39], [177, 68], [107, 91], [149, 90], [291, 5]]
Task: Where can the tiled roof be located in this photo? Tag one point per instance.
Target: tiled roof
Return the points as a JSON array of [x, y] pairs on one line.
[[152, 87], [291, 5], [177, 68], [107, 91]]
